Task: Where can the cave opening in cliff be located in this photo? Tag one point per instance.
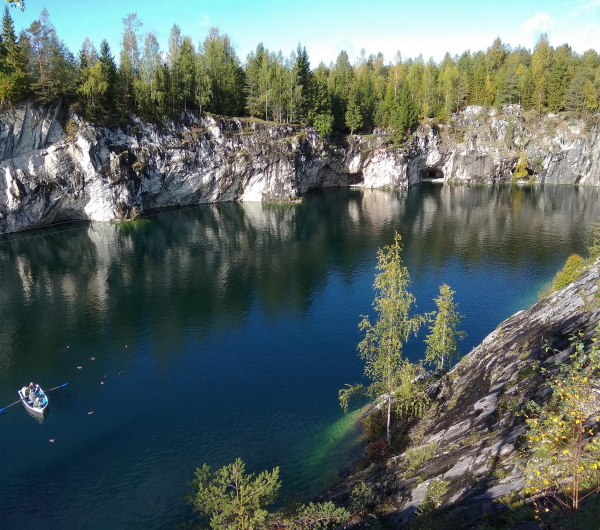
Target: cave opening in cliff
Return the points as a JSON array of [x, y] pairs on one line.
[[432, 174], [327, 177]]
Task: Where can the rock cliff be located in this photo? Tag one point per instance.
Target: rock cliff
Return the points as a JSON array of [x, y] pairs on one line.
[[55, 167], [471, 431]]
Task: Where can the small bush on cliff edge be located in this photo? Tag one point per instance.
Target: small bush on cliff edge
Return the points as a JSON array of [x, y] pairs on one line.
[[569, 273], [521, 169], [562, 452]]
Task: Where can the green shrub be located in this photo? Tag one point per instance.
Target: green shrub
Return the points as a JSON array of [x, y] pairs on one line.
[[594, 248], [374, 425], [324, 124], [362, 499], [416, 456], [569, 273], [521, 169], [71, 129]]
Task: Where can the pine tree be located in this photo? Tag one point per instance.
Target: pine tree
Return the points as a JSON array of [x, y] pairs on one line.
[[442, 347], [231, 499], [40, 35], [52, 65]]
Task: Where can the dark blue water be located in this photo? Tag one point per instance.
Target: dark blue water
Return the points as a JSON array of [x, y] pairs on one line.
[[227, 331]]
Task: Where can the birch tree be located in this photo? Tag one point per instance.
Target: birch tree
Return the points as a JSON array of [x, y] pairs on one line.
[[442, 346], [382, 345]]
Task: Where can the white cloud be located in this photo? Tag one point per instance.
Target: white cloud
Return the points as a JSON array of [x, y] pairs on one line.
[[204, 21], [537, 24], [586, 7], [580, 38]]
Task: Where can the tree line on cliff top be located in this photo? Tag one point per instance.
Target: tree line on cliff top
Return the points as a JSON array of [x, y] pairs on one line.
[[210, 77]]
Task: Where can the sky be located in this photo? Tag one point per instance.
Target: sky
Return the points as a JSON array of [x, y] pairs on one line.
[[326, 27]]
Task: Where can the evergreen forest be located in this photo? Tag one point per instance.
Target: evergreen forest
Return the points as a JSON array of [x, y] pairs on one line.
[[358, 96]]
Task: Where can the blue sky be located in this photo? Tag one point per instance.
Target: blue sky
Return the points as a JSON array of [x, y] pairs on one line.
[[326, 27]]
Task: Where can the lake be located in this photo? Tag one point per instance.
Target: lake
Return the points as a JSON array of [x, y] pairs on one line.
[[226, 331]]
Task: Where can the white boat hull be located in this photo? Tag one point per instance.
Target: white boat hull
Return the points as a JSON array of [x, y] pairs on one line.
[[38, 412]]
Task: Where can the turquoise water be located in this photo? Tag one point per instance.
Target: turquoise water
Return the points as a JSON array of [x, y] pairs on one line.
[[227, 330]]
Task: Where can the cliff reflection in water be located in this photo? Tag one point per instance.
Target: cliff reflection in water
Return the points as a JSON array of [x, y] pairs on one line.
[[246, 312], [206, 267]]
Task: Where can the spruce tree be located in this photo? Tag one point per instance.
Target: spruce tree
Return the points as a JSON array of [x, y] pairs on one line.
[[354, 117], [8, 29], [558, 83], [13, 63], [109, 72], [163, 90], [304, 81], [404, 116]]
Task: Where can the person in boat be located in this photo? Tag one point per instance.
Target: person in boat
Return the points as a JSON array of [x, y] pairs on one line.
[[32, 392]]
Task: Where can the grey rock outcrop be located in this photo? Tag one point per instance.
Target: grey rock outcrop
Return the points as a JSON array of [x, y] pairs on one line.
[[55, 167], [472, 425], [483, 146], [106, 173]]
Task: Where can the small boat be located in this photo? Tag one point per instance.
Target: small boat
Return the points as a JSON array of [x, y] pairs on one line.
[[36, 408]]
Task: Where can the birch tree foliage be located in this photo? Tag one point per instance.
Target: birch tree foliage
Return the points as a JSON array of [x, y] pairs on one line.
[[562, 449], [381, 348], [442, 345]]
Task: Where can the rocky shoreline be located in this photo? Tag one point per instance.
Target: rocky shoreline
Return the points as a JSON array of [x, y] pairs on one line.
[[55, 167], [471, 434]]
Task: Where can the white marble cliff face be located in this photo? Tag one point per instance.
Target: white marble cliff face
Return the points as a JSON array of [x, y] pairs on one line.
[[102, 173]]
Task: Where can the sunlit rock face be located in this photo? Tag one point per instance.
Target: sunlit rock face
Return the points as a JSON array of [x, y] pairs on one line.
[[111, 173], [484, 145]]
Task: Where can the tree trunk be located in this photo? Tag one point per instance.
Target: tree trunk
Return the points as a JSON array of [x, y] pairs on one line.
[[388, 436]]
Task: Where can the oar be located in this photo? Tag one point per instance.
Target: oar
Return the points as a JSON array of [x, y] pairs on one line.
[[2, 410], [50, 390]]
